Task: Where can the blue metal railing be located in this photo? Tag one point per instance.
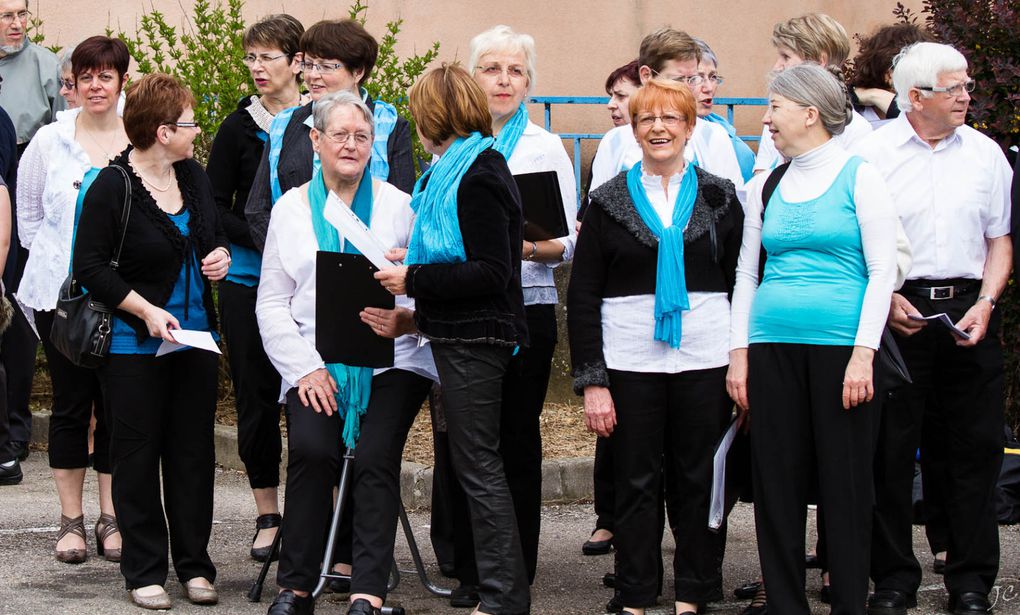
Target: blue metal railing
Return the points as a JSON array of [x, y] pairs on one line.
[[576, 137]]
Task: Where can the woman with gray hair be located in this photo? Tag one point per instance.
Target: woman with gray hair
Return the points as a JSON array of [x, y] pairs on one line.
[[328, 403], [804, 336], [66, 78], [503, 64]]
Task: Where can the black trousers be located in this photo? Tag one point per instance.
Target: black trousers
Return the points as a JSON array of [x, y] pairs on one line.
[[256, 386], [524, 388], [799, 431], [691, 410], [472, 378], [5, 428], [604, 496], [162, 413], [956, 403], [315, 448], [17, 354], [76, 394]]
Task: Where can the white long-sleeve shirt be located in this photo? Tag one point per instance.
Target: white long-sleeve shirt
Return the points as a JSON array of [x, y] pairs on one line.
[[539, 150], [286, 297], [808, 177]]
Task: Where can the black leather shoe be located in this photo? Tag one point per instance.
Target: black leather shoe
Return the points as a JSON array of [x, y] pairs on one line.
[[890, 602], [19, 450], [609, 580], [464, 596], [11, 475], [289, 603], [747, 590], [938, 566], [338, 586], [597, 547], [615, 604], [811, 561], [265, 522], [969, 603], [363, 607], [824, 594]]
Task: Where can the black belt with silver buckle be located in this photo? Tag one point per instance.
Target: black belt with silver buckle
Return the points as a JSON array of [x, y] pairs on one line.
[[939, 293]]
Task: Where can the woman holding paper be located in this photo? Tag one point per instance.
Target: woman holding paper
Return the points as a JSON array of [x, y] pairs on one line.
[[330, 405], [648, 314], [161, 407]]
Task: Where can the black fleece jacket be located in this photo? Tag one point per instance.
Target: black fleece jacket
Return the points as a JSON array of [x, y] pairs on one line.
[[154, 250], [617, 255]]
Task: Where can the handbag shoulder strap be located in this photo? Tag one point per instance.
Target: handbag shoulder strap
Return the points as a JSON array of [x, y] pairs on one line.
[[771, 183], [125, 214]]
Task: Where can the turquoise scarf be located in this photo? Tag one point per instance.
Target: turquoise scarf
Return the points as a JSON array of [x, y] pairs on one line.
[[354, 384], [506, 140], [436, 236], [670, 277]]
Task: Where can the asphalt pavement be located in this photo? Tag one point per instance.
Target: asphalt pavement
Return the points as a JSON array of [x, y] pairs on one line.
[[568, 583]]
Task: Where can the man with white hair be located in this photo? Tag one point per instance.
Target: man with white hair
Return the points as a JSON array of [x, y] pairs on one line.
[[951, 187], [31, 92]]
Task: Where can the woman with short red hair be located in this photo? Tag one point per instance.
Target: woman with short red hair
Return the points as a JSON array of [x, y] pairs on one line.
[[648, 314]]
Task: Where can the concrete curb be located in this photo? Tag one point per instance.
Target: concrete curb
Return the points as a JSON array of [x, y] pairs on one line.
[[563, 480]]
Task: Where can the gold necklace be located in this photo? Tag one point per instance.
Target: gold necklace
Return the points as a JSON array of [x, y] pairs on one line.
[[138, 170], [92, 138]]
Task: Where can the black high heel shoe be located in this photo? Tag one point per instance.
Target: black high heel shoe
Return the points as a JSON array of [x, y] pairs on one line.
[[363, 607], [265, 522]]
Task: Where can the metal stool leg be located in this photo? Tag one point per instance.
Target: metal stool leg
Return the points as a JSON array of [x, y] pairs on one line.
[[419, 564]]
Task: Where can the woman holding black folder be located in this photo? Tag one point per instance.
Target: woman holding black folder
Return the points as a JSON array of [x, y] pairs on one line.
[[648, 315], [328, 404]]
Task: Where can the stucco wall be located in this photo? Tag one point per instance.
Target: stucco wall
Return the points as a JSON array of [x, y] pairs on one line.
[[579, 41]]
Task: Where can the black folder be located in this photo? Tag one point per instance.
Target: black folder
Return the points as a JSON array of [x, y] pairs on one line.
[[344, 286], [543, 206]]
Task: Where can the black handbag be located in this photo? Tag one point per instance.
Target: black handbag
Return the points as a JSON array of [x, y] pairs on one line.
[[890, 369], [82, 327]]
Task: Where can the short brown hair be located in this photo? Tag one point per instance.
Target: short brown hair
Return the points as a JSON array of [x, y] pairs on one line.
[[280, 31], [345, 40], [664, 94], [874, 60], [98, 53], [446, 102], [813, 35], [667, 44], [628, 71], [154, 100]]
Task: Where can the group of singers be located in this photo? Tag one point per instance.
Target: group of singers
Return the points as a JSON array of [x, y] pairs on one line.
[[704, 277]]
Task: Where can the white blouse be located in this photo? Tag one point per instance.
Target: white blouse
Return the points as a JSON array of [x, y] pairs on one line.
[[808, 177], [628, 323], [540, 150], [286, 297]]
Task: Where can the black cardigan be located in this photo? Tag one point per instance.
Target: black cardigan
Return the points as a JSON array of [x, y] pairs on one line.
[[480, 300], [233, 160], [295, 168], [154, 249], [616, 256]]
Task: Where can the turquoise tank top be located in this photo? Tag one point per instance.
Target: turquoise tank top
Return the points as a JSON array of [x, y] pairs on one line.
[[815, 273]]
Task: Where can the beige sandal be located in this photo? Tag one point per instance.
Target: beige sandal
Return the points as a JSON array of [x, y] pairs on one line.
[[106, 526], [71, 526]]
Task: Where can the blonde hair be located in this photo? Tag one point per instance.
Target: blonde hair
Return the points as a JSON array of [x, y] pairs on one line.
[[503, 38], [663, 94], [446, 102], [812, 36]]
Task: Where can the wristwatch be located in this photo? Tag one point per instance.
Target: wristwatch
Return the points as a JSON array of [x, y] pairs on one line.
[[987, 298]]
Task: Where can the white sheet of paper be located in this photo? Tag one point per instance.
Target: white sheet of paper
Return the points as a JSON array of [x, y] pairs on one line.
[[717, 506], [203, 340], [945, 320], [354, 230]]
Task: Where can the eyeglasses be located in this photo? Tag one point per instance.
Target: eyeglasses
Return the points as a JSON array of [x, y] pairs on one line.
[[668, 119], [495, 70], [8, 18], [953, 90], [693, 80], [66, 83], [322, 67], [342, 138], [263, 59], [716, 79], [183, 124]]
